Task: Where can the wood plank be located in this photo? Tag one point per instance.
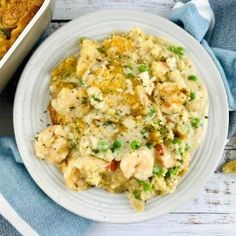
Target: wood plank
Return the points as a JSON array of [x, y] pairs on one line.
[[176, 224], [71, 9], [217, 196]]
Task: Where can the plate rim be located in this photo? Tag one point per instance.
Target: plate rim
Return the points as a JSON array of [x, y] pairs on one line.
[[21, 86]]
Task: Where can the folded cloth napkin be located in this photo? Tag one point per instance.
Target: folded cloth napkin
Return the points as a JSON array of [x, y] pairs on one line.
[[213, 24], [215, 30], [41, 213]]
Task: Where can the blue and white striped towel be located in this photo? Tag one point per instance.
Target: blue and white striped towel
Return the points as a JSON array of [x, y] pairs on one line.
[[24, 205]]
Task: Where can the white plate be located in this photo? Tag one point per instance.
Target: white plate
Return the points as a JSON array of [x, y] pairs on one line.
[[32, 99]]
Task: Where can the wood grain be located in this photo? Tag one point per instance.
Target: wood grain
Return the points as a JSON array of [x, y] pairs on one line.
[[172, 224], [70, 9]]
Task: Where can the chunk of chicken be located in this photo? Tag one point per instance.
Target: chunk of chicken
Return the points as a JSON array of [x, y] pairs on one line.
[[88, 55], [143, 98], [164, 157], [71, 102], [81, 168], [159, 70], [96, 98], [171, 97], [147, 82], [138, 164], [52, 145]]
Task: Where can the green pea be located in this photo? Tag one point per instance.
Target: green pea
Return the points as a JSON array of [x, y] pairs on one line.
[[117, 144], [177, 50], [172, 172], [192, 96], [158, 171], [196, 122], [101, 50], [176, 141], [192, 77], [103, 145], [143, 68], [147, 187], [135, 144]]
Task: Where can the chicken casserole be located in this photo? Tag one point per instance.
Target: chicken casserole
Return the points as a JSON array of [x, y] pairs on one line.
[[126, 115]]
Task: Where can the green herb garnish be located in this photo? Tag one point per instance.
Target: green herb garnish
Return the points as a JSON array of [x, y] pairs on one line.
[[101, 50], [149, 145], [152, 111], [137, 194], [96, 98]]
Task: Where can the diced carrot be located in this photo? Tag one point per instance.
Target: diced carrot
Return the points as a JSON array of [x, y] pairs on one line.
[[159, 149], [113, 165]]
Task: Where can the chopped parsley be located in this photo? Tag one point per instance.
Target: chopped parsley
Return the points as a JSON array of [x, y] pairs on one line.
[[149, 145], [66, 76], [187, 147], [152, 111], [84, 100], [106, 123], [96, 98], [137, 194], [101, 50], [131, 74]]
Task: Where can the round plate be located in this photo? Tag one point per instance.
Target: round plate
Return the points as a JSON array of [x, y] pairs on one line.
[[33, 95]]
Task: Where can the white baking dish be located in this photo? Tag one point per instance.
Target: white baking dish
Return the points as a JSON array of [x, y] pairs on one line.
[[15, 55]]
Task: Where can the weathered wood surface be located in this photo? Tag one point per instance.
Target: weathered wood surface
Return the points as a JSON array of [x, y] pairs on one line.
[[213, 211]]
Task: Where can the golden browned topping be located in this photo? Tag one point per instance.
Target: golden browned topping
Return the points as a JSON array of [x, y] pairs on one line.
[[14, 16], [126, 114]]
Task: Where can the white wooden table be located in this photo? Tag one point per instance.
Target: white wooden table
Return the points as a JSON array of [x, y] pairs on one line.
[[213, 211]]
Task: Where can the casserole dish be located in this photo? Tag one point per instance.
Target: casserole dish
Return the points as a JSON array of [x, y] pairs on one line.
[[23, 44]]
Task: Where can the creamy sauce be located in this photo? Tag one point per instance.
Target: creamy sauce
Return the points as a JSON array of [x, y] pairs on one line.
[[127, 114]]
